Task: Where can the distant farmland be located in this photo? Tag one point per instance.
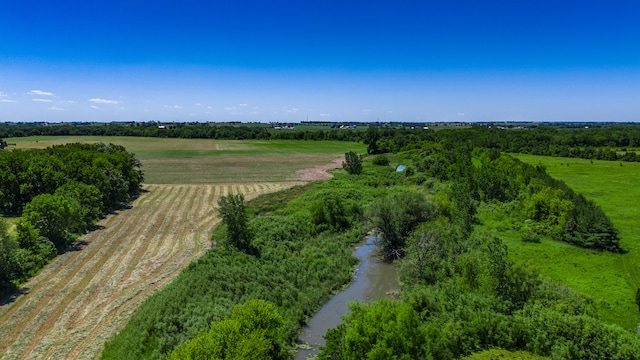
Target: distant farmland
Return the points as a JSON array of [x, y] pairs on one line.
[[201, 161], [85, 297]]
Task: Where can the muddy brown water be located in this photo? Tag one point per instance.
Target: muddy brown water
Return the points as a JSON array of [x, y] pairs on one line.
[[374, 279]]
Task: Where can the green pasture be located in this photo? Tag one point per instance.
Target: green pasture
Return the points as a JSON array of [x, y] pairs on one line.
[[195, 161], [610, 279]]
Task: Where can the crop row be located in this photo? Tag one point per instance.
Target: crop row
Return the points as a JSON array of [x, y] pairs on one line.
[[87, 295]]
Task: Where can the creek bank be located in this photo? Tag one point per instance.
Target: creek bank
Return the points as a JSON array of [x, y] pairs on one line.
[[373, 279]]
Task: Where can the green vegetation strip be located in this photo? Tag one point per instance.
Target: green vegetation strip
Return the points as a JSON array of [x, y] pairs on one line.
[[610, 279], [299, 263]]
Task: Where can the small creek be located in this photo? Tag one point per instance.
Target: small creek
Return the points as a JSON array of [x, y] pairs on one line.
[[373, 280]]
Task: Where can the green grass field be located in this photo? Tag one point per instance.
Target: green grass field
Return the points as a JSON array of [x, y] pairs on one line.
[[199, 161], [610, 279]]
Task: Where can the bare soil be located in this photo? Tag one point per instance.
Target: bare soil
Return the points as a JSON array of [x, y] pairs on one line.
[[319, 172]]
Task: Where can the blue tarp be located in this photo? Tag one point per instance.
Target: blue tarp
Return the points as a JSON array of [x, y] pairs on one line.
[[400, 168]]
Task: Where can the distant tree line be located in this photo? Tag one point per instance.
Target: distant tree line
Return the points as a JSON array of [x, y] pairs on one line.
[[606, 143], [614, 142], [58, 192], [183, 131]]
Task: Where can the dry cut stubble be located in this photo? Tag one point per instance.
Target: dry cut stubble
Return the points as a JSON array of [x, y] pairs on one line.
[[85, 297]]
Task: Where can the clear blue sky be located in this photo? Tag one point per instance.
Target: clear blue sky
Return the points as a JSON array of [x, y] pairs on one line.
[[330, 60]]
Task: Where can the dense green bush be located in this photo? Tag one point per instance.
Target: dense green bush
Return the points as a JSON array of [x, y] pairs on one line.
[[252, 332], [381, 160]]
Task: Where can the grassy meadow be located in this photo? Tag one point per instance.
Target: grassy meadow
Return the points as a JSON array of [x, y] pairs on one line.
[[205, 161], [610, 279]]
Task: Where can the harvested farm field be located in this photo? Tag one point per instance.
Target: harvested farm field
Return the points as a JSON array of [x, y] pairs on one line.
[[204, 161], [88, 294]]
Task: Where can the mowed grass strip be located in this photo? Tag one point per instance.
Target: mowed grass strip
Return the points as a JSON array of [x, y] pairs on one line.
[[92, 277], [84, 297], [610, 279], [56, 291]]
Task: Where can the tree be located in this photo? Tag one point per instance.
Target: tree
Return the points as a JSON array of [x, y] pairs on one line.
[[8, 265], [353, 163], [54, 217], [370, 138], [88, 197], [638, 298], [463, 208], [395, 216], [232, 208]]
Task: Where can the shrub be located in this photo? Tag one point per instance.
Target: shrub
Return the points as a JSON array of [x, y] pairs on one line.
[[381, 160], [250, 333]]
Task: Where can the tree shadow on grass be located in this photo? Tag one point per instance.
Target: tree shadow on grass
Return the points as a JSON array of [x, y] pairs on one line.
[[77, 246], [12, 294]]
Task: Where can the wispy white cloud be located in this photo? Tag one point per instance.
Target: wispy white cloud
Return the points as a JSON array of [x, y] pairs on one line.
[[40, 92], [42, 100], [68, 102], [3, 94], [293, 110], [460, 114], [56, 108], [177, 107], [242, 105], [95, 107], [366, 111], [104, 101], [325, 115], [7, 101]]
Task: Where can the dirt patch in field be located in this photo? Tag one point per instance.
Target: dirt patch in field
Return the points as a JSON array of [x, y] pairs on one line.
[[319, 172]]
